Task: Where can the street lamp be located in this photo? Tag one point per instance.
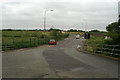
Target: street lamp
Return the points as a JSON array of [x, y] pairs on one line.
[[45, 23], [45, 19]]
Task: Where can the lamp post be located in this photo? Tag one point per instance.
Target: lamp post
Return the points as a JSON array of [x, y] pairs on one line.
[[45, 19], [45, 23]]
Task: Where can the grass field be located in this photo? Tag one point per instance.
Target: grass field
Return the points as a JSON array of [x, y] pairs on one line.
[[24, 39], [97, 44], [93, 42]]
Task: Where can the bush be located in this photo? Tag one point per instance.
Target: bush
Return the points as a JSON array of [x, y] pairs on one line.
[[114, 32]]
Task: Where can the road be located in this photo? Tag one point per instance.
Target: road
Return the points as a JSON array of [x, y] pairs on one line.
[[59, 61]]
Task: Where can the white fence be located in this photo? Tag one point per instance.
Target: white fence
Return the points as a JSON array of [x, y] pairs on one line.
[[111, 50]]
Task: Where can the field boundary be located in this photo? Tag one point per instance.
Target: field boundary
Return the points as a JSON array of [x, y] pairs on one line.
[[84, 46], [30, 47]]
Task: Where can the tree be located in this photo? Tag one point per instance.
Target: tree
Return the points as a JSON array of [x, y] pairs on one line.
[[55, 32], [113, 27], [94, 31], [72, 30], [114, 32], [50, 29]]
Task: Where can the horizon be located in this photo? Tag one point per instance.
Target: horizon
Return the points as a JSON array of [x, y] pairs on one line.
[[55, 28]]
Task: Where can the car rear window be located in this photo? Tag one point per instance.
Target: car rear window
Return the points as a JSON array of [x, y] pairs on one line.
[[52, 40]]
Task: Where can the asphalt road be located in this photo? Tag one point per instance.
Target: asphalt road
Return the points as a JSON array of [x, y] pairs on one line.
[[59, 61]]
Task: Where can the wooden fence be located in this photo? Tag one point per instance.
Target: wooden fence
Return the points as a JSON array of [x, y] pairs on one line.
[[110, 50]]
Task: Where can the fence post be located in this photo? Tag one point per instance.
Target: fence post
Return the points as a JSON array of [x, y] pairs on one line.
[[34, 41], [112, 50], [13, 44], [38, 41], [30, 42], [95, 47], [22, 44], [5, 47], [102, 46]]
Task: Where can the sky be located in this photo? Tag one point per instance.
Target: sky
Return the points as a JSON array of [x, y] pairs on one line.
[[66, 14]]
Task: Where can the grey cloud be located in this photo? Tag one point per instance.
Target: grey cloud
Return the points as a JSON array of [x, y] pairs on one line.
[[66, 15]]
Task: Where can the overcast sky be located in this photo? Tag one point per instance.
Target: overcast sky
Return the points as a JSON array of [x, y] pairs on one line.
[[66, 14]]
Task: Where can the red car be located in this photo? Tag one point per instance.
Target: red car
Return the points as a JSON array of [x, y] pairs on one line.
[[52, 42]]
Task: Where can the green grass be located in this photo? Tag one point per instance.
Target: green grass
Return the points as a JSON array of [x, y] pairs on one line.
[[96, 44], [93, 42], [24, 39], [22, 33]]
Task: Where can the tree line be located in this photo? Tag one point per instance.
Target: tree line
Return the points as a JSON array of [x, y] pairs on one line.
[[114, 33]]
